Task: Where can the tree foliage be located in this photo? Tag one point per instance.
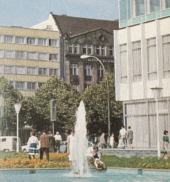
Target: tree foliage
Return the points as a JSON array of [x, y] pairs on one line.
[[10, 97], [67, 99], [96, 103]]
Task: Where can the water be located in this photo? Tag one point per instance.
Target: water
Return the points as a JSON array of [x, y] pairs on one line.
[[80, 142], [111, 175]]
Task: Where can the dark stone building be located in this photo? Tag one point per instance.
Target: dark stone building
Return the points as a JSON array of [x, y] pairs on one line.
[[83, 36]]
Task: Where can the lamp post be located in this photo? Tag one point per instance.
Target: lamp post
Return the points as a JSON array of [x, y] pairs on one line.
[[17, 109], [157, 92], [89, 56]]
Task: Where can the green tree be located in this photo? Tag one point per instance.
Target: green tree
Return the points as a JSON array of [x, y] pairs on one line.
[[10, 97], [96, 103], [67, 99]]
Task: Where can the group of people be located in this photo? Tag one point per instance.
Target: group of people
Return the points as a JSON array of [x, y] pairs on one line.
[[123, 137], [46, 141]]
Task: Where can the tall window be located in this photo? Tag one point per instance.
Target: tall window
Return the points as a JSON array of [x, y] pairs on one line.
[[42, 42], [19, 40], [84, 49], [8, 38], [53, 57], [20, 70], [71, 48], [89, 49], [88, 70], [123, 63], [31, 85], [19, 54], [154, 5], [9, 69], [111, 51], [42, 71], [31, 40], [42, 56], [167, 3], [98, 50], [8, 54], [103, 50], [136, 56], [152, 59], [140, 7], [53, 72], [53, 42], [74, 69], [1, 53], [31, 71], [166, 55], [100, 71], [32, 55], [20, 85], [76, 49]]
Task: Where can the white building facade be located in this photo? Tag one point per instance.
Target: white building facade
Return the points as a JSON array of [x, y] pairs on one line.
[[142, 62]]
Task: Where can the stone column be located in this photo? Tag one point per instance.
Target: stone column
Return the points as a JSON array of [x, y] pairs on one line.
[[81, 76]]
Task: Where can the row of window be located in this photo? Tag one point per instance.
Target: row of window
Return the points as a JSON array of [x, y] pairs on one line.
[[134, 8], [28, 55], [87, 70], [29, 40], [151, 59], [26, 85], [89, 49], [29, 70]]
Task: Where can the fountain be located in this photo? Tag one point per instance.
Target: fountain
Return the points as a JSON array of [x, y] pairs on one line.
[[80, 164]]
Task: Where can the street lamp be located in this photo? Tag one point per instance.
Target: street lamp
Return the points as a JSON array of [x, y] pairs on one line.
[[17, 109], [157, 92], [89, 56]]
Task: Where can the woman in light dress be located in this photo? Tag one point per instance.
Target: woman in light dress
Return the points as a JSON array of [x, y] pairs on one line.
[[32, 145], [120, 141]]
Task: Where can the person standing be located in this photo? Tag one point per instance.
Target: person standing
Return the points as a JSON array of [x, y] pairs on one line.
[[58, 141], [45, 145], [130, 137], [102, 141], [52, 143], [112, 141], [123, 136], [70, 147], [165, 143], [32, 145]]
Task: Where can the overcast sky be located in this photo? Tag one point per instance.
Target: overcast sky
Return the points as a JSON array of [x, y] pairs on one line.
[[27, 13]]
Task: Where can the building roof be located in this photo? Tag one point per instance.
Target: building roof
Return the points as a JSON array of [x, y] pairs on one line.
[[70, 26]]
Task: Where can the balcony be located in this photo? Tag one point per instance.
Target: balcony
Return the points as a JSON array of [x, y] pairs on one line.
[[74, 79], [88, 78]]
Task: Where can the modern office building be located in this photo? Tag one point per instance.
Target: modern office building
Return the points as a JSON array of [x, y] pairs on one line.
[[80, 36], [142, 62], [28, 57]]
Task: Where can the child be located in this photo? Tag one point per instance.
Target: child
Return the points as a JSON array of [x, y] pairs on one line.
[[165, 143], [99, 164]]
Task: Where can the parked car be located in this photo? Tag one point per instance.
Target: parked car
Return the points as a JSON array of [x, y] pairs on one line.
[[24, 148], [9, 143]]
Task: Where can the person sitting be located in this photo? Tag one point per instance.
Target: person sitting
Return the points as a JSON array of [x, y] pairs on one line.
[[97, 159]]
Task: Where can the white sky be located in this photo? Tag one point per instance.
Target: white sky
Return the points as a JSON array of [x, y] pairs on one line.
[[27, 13]]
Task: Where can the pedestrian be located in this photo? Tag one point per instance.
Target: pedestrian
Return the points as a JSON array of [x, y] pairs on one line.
[[165, 143], [45, 145], [120, 141], [112, 141], [123, 136], [58, 141], [52, 142], [130, 137], [103, 141], [32, 145], [70, 147]]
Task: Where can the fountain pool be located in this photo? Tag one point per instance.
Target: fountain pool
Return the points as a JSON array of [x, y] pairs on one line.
[[110, 175]]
